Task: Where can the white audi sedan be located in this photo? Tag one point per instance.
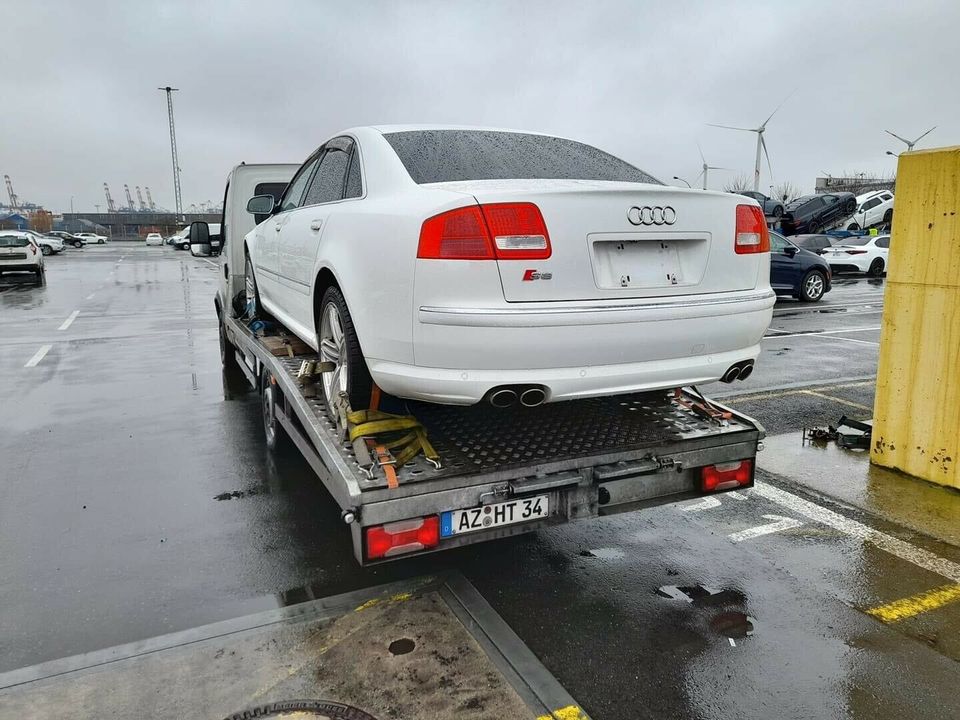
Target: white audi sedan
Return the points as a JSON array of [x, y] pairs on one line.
[[867, 254], [458, 265]]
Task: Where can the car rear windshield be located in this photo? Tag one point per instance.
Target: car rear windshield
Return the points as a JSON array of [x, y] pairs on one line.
[[13, 241], [432, 156], [863, 240], [799, 201]]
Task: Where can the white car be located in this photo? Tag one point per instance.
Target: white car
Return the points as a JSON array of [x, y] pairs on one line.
[[19, 252], [48, 244], [154, 239], [92, 238], [873, 208], [866, 254], [455, 265]]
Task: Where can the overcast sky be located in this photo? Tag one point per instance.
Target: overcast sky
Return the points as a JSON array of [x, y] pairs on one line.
[[270, 81]]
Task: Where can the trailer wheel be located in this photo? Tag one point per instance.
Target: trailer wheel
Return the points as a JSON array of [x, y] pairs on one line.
[[269, 399], [339, 344]]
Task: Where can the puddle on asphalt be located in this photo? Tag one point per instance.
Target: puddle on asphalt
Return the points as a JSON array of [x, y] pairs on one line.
[[235, 494], [734, 625], [702, 595]]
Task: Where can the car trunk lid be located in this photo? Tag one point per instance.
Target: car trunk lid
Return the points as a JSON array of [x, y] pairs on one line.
[[617, 240]]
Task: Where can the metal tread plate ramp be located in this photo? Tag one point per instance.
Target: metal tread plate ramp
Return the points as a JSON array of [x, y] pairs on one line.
[[425, 648]]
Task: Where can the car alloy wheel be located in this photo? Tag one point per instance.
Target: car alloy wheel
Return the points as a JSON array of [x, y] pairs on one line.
[[876, 268], [814, 285], [333, 349]]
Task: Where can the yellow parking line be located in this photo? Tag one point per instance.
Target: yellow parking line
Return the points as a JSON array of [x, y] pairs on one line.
[[570, 712], [924, 602], [783, 393], [838, 400]]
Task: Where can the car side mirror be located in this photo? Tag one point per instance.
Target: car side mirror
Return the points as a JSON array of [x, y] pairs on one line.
[[261, 205], [790, 251], [200, 239]]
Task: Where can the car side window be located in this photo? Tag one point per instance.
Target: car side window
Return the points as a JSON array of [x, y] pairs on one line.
[[327, 184], [291, 198], [777, 243], [354, 187], [883, 242], [829, 199]]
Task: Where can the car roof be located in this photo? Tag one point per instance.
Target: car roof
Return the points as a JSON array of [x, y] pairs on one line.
[[430, 126], [14, 232]]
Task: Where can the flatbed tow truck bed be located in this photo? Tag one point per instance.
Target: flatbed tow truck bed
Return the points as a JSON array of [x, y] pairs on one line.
[[584, 458]]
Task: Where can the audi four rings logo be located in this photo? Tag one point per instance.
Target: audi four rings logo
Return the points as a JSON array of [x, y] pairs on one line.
[[648, 215]]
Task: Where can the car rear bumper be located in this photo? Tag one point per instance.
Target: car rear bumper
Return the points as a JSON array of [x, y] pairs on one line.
[[851, 265], [22, 267], [578, 350]]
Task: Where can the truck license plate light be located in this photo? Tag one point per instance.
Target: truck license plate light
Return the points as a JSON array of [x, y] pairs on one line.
[[726, 476], [403, 537]]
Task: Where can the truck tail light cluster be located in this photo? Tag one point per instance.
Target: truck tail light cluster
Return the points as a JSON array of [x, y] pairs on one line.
[[402, 537], [494, 231], [752, 234], [726, 476]]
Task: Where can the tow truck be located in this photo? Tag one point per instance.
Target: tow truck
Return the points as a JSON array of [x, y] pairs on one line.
[[485, 472]]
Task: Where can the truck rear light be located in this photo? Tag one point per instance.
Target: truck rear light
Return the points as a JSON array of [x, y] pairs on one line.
[[726, 476], [752, 235], [402, 537], [506, 231]]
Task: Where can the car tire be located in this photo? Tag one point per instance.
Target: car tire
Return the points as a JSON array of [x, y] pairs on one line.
[[185, 246], [252, 292], [45, 250], [351, 375], [876, 268], [813, 286], [888, 217], [778, 212], [270, 398], [853, 226]]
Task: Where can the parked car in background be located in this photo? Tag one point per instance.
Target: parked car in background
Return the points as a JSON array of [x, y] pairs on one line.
[[866, 254], [814, 213], [814, 243], [873, 208], [771, 206], [48, 244], [68, 238], [19, 252], [179, 238], [508, 266], [797, 272], [92, 238], [154, 239]]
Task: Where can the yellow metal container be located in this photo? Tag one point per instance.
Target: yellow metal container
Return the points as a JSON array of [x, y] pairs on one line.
[[917, 409]]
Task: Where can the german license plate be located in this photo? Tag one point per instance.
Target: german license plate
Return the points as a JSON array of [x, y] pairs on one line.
[[456, 522]]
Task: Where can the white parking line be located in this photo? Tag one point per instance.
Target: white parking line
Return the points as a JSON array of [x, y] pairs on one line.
[[825, 332], [706, 504], [38, 356], [69, 321], [896, 547], [209, 261], [779, 524]]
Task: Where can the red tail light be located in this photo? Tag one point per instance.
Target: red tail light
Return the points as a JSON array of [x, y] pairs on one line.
[[752, 235], [505, 231], [403, 537], [726, 476], [855, 252]]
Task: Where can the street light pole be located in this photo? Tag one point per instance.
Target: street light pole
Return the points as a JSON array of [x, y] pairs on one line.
[[675, 177], [173, 152]]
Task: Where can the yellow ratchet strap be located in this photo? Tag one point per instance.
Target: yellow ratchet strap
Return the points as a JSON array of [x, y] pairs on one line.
[[411, 440]]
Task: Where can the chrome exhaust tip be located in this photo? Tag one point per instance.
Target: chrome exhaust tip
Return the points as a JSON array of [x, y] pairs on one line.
[[732, 373], [503, 398], [531, 397], [746, 370]]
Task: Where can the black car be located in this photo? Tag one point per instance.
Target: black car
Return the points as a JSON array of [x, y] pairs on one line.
[[68, 239], [771, 206], [798, 272], [811, 214], [814, 243]]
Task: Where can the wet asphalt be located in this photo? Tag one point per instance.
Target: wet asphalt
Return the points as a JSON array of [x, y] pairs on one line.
[[136, 499]]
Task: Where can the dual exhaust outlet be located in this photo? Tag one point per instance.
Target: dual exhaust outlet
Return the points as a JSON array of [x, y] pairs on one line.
[[738, 371], [509, 395]]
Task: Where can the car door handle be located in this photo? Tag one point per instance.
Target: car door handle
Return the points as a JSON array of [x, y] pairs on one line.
[[316, 225]]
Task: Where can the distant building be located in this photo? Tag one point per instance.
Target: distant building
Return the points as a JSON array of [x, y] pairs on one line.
[[14, 221], [857, 184]]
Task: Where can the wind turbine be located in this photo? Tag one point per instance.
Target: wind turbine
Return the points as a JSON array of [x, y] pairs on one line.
[[910, 143], [761, 143], [706, 167]]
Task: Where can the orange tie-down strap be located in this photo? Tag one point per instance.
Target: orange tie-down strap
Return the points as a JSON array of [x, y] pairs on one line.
[[395, 439]]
